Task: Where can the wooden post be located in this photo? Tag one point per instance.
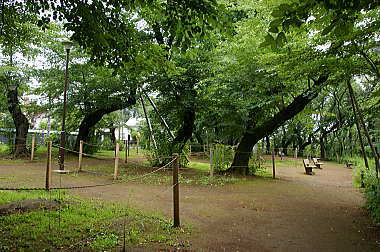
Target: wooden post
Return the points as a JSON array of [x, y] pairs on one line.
[[80, 155], [274, 165], [128, 143], [176, 190], [126, 151], [48, 166], [116, 161], [211, 166], [296, 153], [137, 146], [32, 152]]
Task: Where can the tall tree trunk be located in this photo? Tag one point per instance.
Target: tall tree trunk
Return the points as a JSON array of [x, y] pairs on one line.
[[92, 118], [186, 130], [303, 145], [257, 130], [267, 142], [358, 130], [285, 146], [322, 146], [86, 125], [361, 122], [113, 135], [20, 121]]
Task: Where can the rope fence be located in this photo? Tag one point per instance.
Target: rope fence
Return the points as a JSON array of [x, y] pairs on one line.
[[87, 186], [174, 162], [216, 160]]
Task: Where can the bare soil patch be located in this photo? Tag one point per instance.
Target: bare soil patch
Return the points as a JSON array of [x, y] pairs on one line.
[[28, 205]]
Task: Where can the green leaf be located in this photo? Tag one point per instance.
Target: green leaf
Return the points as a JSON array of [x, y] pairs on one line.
[[274, 25], [328, 29], [343, 28], [273, 29], [286, 24], [281, 39], [278, 13], [285, 7], [269, 41]]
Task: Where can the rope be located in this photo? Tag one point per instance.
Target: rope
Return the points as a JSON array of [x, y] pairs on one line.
[[86, 186], [84, 154], [90, 144]]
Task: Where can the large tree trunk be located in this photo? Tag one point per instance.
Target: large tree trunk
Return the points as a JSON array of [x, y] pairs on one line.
[[303, 145], [255, 131], [20, 121], [251, 136], [88, 122], [359, 116], [267, 141], [113, 135], [322, 146], [92, 118], [359, 132], [186, 130]]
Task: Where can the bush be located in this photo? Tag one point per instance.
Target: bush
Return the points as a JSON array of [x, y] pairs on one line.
[[372, 194], [222, 157]]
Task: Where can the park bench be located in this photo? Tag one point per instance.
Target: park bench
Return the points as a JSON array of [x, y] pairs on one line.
[[348, 164], [308, 167], [317, 163]]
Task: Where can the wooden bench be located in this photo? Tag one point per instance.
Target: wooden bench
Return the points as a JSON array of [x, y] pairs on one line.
[[308, 167], [348, 165], [317, 163]]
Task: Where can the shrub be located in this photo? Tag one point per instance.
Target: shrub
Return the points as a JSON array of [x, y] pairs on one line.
[[372, 194]]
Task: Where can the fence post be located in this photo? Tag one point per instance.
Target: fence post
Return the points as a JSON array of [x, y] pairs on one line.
[[211, 166], [273, 166], [296, 153], [126, 151], [137, 146], [32, 152], [176, 190], [48, 167], [80, 155], [128, 143], [116, 161]]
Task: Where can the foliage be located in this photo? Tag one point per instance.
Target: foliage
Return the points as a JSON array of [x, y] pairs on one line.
[[222, 156], [334, 16], [372, 194]]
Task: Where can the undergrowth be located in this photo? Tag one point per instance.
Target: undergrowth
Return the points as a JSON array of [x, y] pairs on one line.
[[372, 194], [371, 185]]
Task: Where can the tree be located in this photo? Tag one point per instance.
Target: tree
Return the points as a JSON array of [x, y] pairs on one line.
[[17, 32]]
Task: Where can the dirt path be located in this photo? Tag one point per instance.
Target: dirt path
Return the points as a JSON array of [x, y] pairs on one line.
[[293, 213]]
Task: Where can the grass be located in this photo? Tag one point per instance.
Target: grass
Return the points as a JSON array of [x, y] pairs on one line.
[[199, 166], [41, 152], [110, 154], [81, 224], [162, 179]]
